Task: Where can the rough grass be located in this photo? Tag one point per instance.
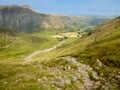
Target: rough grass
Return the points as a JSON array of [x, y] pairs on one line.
[[103, 44], [26, 77], [15, 76]]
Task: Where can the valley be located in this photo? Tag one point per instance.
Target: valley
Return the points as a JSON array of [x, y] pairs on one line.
[[54, 52]]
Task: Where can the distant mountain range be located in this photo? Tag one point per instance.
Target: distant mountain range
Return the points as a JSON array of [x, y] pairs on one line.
[[23, 18]]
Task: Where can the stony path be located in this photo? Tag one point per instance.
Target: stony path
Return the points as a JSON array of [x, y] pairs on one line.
[[84, 71], [67, 75], [29, 57]]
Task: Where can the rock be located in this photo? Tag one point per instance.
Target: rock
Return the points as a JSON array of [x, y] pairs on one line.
[[99, 63], [5, 82], [53, 85], [117, 77], [45, 78], [78, 74], [59, 89], [95, 76], [39, 80], [67, 81], [97, 83], [70, 60], [19, 80], [74, 78], [79, 86], [54, 69], [60, 84], [61, 81], [63, 68], [101, 74], [68, 68]]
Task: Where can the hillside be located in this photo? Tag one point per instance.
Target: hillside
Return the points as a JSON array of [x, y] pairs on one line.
[[100, 50], [16, 45], [89, 62], [25, 19], [92, 62]]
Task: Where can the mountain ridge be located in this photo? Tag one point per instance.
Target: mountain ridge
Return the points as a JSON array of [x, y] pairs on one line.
[[27, 20]]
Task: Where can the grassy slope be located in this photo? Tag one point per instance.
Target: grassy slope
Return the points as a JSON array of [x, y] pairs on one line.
[[106, 48], [13, 74], [104, 34], [18, 45], [103, 44]]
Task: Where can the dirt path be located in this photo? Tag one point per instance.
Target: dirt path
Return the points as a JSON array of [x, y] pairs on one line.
[[29, 57]]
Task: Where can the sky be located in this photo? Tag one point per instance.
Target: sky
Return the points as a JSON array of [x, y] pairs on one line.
[[70, 7]]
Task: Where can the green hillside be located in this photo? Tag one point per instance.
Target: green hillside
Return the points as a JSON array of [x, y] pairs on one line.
[[102, 45], [90, 63], [17, 45]]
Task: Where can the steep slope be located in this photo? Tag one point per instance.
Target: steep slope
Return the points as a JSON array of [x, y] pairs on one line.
[[100, 50], [25, 19], [18, 18]]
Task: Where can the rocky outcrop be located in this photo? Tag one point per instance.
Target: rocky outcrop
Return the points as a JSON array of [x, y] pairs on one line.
[[26, 20], [18, 18], [23, 18]]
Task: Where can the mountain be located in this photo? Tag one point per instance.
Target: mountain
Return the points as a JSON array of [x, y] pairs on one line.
[[23, 18]]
